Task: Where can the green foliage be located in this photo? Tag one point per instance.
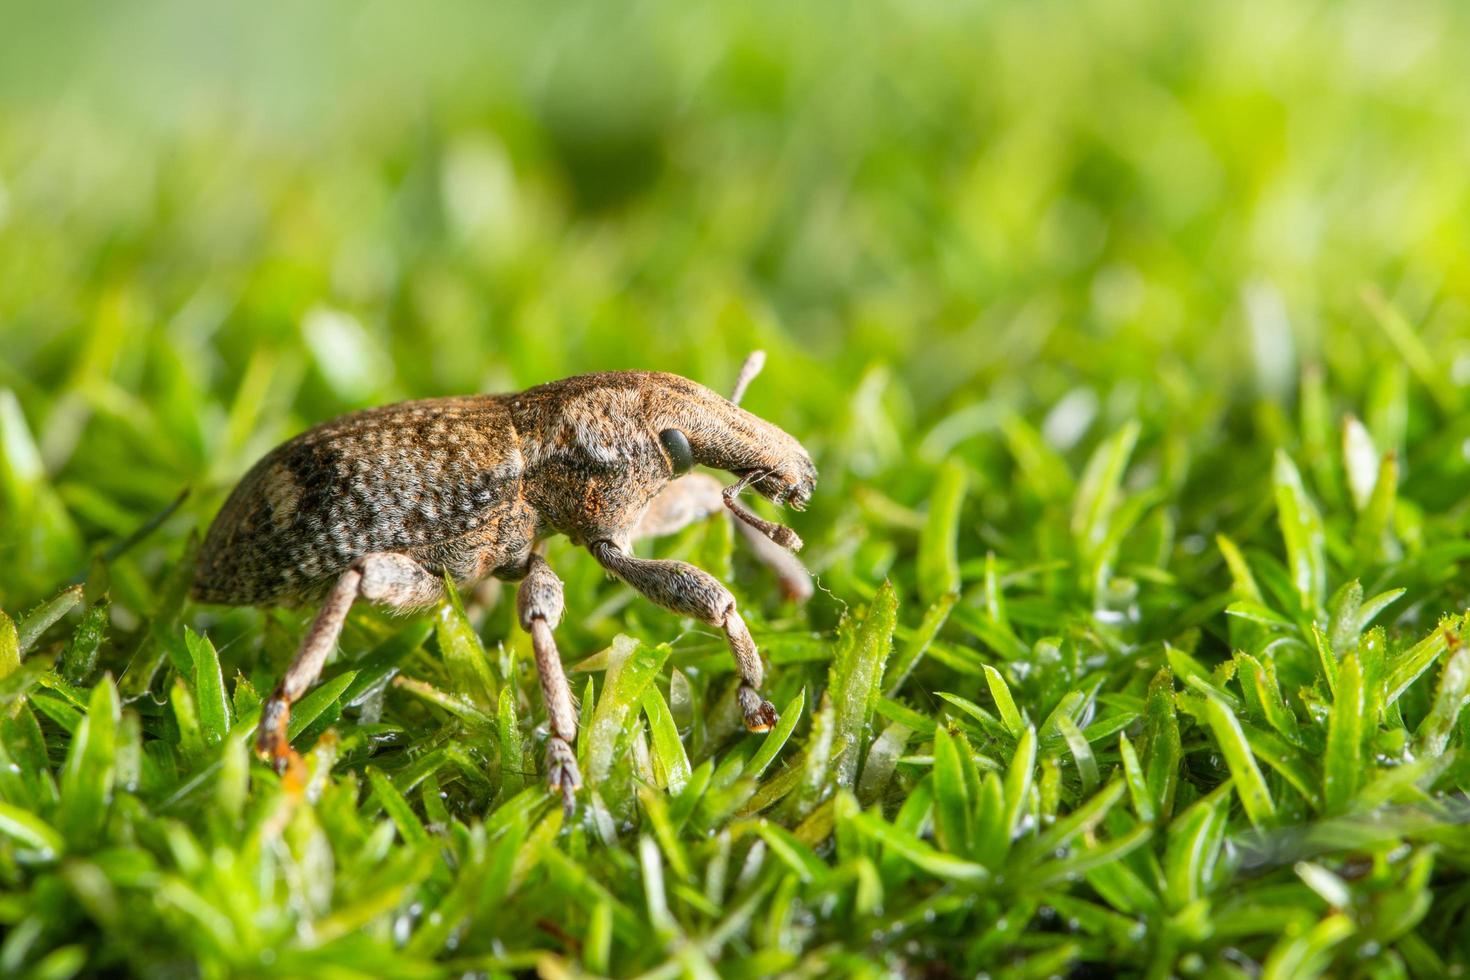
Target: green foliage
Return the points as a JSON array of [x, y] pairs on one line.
[[1130, 340]]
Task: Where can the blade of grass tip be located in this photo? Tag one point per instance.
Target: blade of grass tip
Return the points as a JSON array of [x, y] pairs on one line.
[[1138, 791], [1010, 715], [772, 744], [815, 768], [1019, 779], [137, 677], [1081, 752], [1360, 460], [1373, 539], [1406, 668], [668, 748], [854, 685], [512, 757], [1041, 467], [1342, 761], [1387, 408], [309, 708], [656, 809], [1250, 784], [597, 943], [1081, 820], [1163, 750], [41, 618], [1097, 494], [1302, 532], [1434, 732], [915, 851], [1308, 955], [1289, 762], [938, 558], [464, 655], [186, 717], [633, 666], [918, 643], [1261, 679], [209, 688], [654, 892], [25, 745], [89, 774], [882, 760], [952, 810], [1317, 434], [1412, 349], [1193, 849], [397, 807], [79, 655], [1344, 617], [9, 646], [1243, 583], [30, 831]]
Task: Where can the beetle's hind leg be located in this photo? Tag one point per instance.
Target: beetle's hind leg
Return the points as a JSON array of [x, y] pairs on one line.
[[690, 591], [699, 495], [539, 603], [384, 578]]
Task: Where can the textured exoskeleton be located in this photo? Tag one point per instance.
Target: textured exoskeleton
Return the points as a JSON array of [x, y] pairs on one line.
[[380, 504]]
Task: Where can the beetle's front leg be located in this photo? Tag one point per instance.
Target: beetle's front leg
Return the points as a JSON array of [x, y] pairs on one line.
[[539, 603], [689, 591], [698, 496]]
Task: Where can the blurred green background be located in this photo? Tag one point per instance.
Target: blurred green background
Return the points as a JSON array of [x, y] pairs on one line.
[[219, 224], [1078, 306]]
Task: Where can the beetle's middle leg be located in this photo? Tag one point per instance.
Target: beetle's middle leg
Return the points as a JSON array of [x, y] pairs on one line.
[[680, 587], [384, 578], [700, 495], [539, 603]]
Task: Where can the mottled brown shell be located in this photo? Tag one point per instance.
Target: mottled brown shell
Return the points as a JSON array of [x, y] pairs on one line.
[[466, 485], [439, 480]]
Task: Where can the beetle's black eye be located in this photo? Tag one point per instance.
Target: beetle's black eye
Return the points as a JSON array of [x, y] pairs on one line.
[[676, 444]]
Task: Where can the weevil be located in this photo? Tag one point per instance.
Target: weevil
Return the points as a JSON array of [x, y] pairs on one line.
[[383, 504]]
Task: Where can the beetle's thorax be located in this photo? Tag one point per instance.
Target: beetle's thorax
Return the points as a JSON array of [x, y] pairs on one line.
[[592, 456]]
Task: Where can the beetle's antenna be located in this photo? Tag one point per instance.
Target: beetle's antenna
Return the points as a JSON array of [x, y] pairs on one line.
[[748, 371], [779, 533]]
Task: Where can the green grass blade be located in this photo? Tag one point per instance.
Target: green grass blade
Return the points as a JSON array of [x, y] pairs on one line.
[[776, 739], [1250, 785], [88, 776], [464, 655], [316, 703], [854, 680], [9, 646], [633, 667], [209, 689], [1010, 715], [1342, 762], [953, 830], [1302, 532], [41, 618], [938, 561], [668, 748]]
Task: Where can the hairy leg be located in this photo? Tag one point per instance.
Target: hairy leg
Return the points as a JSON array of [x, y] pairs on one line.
[[383, 578], [698, 496], [539, 603], [689, 591]]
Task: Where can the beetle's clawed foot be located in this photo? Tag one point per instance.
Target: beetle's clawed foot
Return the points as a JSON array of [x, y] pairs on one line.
[[561, 772], [270, 737], [760, 714]]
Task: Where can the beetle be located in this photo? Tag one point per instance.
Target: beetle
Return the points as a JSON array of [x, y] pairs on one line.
[[382, 504]]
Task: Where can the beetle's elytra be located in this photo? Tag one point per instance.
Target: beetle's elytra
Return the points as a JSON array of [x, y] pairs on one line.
[[380, 504]]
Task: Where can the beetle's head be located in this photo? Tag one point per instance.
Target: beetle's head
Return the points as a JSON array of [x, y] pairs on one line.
[[697, 426]]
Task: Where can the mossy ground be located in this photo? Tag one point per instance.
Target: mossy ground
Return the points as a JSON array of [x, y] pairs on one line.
[[1131, 340]]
